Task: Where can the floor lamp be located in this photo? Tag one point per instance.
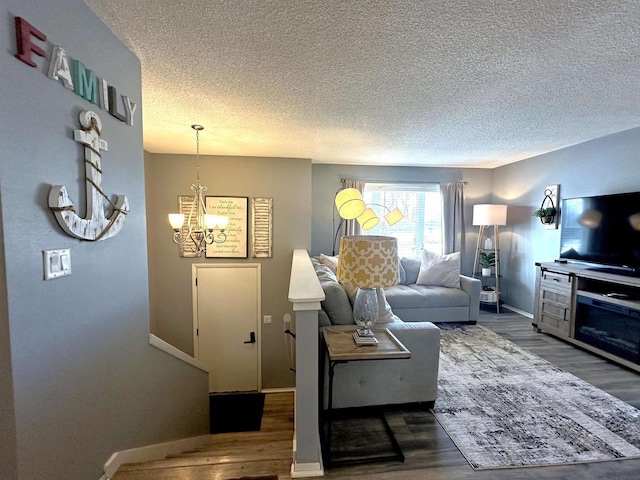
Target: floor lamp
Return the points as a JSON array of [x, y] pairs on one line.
[[485, 215], [351, 205]]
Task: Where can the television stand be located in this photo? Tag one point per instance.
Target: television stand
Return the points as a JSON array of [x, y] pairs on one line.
[[594, 309], [627, 272]]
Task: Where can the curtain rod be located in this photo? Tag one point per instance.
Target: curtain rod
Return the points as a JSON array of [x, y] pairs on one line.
[[398, 181]]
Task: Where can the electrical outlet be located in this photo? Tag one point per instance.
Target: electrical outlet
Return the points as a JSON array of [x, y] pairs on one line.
[[267, 319]]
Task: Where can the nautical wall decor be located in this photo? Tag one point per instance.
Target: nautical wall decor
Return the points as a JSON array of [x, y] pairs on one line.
[[96, 226]]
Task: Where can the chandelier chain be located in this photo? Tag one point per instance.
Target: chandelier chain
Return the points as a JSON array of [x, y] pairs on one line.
[[198, 156]]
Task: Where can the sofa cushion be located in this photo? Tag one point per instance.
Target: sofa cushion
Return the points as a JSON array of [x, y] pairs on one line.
[[402, 274], [423, 296], [438, 269], [336, 303], [411, 266], [323, 319]]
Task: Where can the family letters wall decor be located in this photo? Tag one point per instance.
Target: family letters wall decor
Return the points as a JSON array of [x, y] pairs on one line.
[[72, 73], [96, 226]]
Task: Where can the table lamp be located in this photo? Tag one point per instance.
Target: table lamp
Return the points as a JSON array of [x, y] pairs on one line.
[[367, 262]]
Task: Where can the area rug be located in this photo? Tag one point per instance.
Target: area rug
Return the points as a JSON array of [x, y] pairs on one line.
[[240, 412], [506, 407]]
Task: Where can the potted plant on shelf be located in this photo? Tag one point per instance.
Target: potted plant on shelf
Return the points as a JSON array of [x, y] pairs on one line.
[[487, 260], [546, 215]]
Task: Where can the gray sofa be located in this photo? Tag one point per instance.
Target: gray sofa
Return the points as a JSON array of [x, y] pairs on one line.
[[408, 301], [386, 382], [433, 303]]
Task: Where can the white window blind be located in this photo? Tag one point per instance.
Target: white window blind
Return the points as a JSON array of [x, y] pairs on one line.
[[421, 204]]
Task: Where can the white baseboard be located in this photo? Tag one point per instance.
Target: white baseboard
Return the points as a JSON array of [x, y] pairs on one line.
[[303, 470], [278, 390], [152, 452], [175, 352], [517, 310]]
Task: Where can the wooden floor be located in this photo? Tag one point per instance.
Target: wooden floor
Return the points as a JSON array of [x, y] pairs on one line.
[[231, 455], [269, 451]]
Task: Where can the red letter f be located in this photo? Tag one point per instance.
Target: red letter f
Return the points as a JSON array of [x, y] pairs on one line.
[[24, 31]]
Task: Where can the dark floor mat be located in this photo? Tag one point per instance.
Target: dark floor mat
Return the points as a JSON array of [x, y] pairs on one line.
[[241, 412]]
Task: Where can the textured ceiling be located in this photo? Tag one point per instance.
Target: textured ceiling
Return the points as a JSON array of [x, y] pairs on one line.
[[413, 82]]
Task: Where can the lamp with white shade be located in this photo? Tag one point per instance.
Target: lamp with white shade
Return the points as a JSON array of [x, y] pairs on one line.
[[486, 215], [489, 214], [349, 203]]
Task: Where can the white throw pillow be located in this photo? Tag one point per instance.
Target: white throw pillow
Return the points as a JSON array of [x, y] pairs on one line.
[[443, 270], [385, 315], [331, 262]]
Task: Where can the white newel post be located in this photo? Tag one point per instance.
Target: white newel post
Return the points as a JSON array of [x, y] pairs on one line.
[[306, 294]]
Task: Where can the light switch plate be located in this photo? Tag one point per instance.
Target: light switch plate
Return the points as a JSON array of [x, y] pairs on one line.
[[56, 263]]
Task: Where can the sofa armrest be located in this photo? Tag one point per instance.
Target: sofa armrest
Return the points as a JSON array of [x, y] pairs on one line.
[[419, 335], [472, 288]]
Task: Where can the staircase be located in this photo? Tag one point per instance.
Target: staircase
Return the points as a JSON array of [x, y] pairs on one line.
[[231, 455]]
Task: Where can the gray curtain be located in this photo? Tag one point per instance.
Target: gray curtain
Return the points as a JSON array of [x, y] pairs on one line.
[[453, 217], [352, 227]]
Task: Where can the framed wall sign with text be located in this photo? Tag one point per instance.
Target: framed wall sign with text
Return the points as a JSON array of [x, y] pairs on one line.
[[235, 246]]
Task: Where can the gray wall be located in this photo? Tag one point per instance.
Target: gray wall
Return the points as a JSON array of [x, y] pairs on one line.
[[78, 378], [287, 181], [326, 182], [600, 166], [8, 447]]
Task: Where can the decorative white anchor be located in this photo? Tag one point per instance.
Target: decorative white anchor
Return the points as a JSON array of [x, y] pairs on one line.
[[96, 226]]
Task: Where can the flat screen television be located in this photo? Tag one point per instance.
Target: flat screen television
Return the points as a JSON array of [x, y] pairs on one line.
[[604, 230]]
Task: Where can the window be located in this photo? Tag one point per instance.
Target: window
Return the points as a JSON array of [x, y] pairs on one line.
[[421, 204]]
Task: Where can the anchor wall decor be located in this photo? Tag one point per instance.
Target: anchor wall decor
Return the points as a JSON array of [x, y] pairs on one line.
[[96, 226]]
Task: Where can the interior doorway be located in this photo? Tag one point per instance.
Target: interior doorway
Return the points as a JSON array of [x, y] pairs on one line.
[[226, 324]]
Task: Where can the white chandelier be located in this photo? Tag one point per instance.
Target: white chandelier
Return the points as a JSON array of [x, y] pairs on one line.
[[207, 228]]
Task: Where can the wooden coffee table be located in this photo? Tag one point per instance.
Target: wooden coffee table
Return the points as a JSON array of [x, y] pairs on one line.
[[341, 348]]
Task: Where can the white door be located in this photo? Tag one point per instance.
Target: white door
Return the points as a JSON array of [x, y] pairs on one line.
[[226, 305]]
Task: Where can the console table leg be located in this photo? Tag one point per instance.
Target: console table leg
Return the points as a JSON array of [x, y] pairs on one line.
[[329, 416]]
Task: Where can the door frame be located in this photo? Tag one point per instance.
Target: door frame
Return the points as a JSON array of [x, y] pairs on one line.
[[194, 294]]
